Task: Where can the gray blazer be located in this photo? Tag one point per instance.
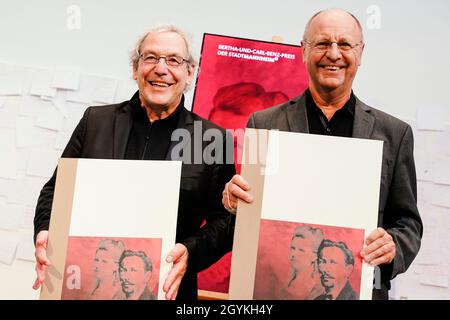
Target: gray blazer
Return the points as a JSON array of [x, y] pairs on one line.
[[398, 212]]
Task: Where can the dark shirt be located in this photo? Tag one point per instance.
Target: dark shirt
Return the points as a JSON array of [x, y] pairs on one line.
[[150, 140], [341, 124]]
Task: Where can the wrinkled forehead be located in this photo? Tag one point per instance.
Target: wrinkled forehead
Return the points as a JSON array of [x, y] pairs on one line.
[[166, 42], [334, 25]]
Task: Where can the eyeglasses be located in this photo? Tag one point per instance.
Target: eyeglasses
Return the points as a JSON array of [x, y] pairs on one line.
[[171, 61], [323, 46]]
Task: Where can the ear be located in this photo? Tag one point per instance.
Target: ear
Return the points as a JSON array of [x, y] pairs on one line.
[[360, 54], [303, 45], [135, 67], [190, 78]]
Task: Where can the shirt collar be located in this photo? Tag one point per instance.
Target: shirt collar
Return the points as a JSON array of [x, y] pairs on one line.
[[140, 110], [349, 105]]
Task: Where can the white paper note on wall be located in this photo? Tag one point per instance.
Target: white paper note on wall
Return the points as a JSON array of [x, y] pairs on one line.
[[430, 215], [28, 135], [62, 138], [41, 84], [7, 138], [436, 276], [22, 159], [94, 88], [8, 163], [443, 141], [11, 85], [59, 102], [9, 113], [25, 190], [8, 246], [74, 112], [430, 251], [42, 162], [30, 106], [125, 90], [11, 216], [430, 118], [28, 216], [440, 195], [66, 78], [424, 146], [441, 169], [105, 90], [25, 249], [2, 101], [50, 118], [423, 191], [4, 187]]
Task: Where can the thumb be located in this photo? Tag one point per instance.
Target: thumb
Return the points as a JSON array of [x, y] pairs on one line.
[[176, 253]]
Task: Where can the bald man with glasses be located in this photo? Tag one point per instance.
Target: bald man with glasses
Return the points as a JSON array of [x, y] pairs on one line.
[[333, 45]]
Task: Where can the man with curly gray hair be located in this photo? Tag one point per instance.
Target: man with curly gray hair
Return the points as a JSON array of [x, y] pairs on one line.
[[149, 127]]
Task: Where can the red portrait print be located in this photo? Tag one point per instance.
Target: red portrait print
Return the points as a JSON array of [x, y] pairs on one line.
[[105, 268], [299, 261]]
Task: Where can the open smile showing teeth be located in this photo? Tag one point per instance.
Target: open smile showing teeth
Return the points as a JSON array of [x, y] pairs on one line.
[[332, 68], [160, 84]]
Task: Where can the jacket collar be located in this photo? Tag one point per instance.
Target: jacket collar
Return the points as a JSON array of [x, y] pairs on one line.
[[364, 121], [296, 115], [123, 123], [297, 118]]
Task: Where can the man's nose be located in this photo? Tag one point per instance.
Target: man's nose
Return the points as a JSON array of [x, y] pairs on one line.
[[334, 53], [161, 66]]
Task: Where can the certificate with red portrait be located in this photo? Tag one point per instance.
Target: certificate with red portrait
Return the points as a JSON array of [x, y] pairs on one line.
[[113, 223], [315, 201], [237, 77]]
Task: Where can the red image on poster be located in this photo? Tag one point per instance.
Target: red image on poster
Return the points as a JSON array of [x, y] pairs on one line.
[[99, 268], [237, 77], [308, 262], [240, 76]]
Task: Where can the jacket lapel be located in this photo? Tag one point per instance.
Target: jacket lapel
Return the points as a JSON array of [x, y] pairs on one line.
[[364, 121], [296, 115], [122, 127]]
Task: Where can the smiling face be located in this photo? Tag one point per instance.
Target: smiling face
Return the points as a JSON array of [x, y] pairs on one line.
[[161, 86], [332, 70]]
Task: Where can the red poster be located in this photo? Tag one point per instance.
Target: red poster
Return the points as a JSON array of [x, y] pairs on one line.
[[237, 77], [308, 262], [112, 268]]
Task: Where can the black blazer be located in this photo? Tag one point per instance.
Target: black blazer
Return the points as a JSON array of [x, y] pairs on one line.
[[398, 212], [103, 133]]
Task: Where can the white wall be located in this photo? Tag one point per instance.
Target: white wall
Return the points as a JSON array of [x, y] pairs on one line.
[[404, 68]]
